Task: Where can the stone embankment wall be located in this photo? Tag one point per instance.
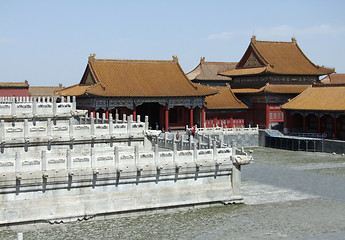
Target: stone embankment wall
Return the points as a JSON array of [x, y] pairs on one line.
[[59, 165]]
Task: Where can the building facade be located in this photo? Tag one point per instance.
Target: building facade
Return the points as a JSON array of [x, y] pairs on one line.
[[268, 74], [159, 89], [224, 108], [14, 89], [319, 109]]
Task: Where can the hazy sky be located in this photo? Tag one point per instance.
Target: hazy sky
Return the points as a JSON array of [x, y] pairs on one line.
[[48, 42]]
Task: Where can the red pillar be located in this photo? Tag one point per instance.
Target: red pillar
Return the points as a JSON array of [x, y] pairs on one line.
[[203, 116], [166, 117], [304, 124], [215, 120], [267, 115], [134, 112], [191, 117], [107, 113], [231, 121]]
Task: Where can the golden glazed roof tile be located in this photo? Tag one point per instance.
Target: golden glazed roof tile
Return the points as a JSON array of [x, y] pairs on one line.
[[225, 99], [278, 58], [208, 71], [319, 98], [138, 78], [274, 88]]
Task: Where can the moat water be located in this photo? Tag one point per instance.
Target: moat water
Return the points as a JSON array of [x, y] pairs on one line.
[[271, 211]]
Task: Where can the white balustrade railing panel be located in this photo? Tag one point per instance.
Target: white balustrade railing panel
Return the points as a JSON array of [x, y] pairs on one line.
[[55, 160], [44, 109], [7, 162], [82, 130], [126, 160], [165, 158], [224, 153], [184, 157], [14, 132], [205, 155], [81, 159], [120, 127], [5, 109], [38, 131], [101, 129], [30, 161]]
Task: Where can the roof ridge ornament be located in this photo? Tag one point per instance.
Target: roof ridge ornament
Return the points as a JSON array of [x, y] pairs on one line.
[[175, 58], [253, 39], [293, 40], [92, 57], [202, 59]]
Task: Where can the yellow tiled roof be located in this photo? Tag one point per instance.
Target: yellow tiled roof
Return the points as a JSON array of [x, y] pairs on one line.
[[335, 78], [44, 91], [138, 78], [208, 71], [24, 84], [277, 58], [319, 98], [75, 90], [225, 99]]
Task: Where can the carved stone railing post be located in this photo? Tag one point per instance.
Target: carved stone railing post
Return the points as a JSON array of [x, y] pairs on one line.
[[2, 131], [13, 107], [44, 160], [92, 119], [26, 130], [236, 174], [71, 130], [18, 163], [111, 125], [156, 155], [136, 158], [54, 107], [93, 159], [129, 124], [146, 123], [74, 103], [34, 107], [69, 164], [117, 158]]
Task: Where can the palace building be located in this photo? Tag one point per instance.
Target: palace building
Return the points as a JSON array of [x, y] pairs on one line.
[[14, 89], [224, 108], [268, 74], [319, 109], [156, 88]]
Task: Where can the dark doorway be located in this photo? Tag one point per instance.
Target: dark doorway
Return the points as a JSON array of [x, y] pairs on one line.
[[151, 110]]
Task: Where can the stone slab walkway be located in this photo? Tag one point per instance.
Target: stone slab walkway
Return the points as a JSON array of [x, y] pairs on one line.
[[302, 181]]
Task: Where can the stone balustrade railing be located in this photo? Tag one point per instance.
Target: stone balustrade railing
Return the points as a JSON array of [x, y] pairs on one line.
[[29, 131], [127, 159], [36, 107], [225, 130]]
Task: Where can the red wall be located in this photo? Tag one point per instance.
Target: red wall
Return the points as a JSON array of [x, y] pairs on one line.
[[14, 92], [226, 119]]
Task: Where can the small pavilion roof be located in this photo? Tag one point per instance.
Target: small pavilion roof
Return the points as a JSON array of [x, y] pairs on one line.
[[283, 58], [225, 99], [44, 91], [136, 78], [274, 88], [321, 97], [208, 71], [335, 78]]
